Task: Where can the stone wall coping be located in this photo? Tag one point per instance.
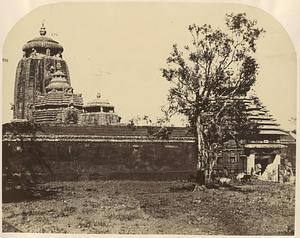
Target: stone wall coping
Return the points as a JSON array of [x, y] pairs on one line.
[[95, 138]]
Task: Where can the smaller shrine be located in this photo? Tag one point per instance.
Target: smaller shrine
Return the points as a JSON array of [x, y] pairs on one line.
[[59, 104], [99, 112], [266, 152]]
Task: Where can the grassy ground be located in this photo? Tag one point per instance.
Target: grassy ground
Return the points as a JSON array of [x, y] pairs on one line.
[[137, 207]]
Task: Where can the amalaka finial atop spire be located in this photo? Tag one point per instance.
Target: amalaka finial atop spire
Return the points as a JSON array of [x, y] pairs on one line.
[[43, 30]]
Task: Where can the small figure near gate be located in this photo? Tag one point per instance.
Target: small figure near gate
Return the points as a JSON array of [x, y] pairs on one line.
[[258, 169]]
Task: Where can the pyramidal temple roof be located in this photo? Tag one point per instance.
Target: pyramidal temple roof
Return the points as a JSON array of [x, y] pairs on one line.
[[98, 101], [265, 121]]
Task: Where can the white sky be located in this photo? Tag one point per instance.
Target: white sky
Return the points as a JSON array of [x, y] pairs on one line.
[[118, 50]]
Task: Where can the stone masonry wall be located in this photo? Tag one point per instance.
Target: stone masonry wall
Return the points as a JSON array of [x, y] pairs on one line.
[[100, 160], [64, 152]]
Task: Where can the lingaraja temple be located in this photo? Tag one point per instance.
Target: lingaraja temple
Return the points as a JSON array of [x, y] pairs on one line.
[[54, 135]]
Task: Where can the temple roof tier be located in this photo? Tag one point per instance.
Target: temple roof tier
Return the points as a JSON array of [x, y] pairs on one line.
[[59, 99], [261, 117], [268, 127], [98, 102], [264, 146], [272, 132]]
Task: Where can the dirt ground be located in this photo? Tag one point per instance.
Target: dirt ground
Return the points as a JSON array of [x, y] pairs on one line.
[[143, 207]]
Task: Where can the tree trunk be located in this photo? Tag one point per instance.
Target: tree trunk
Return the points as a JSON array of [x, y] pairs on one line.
[[200, 162], [211, 167], [201, 173]]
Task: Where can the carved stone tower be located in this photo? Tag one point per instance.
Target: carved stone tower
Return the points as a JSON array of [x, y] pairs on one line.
[[41, 56]]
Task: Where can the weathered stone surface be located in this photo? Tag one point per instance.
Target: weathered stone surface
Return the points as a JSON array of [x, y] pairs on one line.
[[32, 77], [72, 160]]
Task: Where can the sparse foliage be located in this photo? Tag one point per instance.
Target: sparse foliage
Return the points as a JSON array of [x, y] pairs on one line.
[[156, 129], [209, 81]]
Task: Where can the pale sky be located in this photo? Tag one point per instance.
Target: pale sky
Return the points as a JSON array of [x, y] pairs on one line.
[[118, 49]]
